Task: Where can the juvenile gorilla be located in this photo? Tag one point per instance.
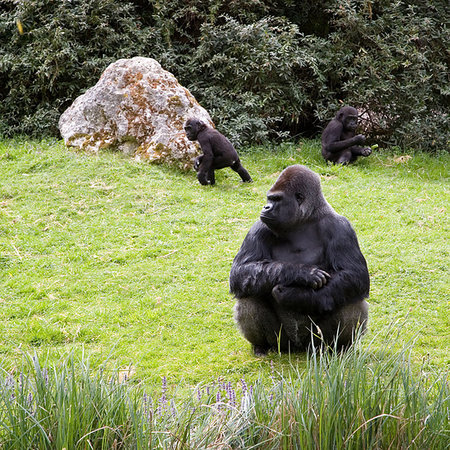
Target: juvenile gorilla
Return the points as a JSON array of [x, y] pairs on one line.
[[299, 271], [218, 152], [339, 143]]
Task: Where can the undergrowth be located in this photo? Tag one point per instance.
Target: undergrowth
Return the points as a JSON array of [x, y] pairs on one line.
[[364, 398]]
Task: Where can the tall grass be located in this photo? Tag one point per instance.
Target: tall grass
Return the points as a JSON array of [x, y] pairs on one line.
[[361, 399]]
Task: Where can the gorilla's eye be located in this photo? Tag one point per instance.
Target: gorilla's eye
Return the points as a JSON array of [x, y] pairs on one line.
[[299, 197]]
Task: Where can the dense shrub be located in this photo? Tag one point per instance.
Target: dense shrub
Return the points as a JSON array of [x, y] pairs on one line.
[[392, 63], [262, 68], [254, 78], [64, 48]]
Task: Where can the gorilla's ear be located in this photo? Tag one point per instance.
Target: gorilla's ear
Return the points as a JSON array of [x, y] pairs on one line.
[[201, 125], [299, 197], [340, 115]]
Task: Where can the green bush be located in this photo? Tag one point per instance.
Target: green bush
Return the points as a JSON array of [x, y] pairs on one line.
[[262, 68], [255, 79], [389, 61], [64, 48]]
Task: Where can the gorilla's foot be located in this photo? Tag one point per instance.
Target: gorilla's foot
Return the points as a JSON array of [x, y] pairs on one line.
[[260, 350]]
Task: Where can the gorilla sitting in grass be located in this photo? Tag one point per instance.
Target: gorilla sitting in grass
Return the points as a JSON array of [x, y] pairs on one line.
[[299, 274], [340, 145]]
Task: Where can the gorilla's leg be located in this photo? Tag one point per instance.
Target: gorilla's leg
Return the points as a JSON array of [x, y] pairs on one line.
[[239, 168], [298, 327], [345, 157], [211, 177], [344, 323], [260, 325]]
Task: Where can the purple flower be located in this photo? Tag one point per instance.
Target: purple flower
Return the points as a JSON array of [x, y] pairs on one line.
[[244, 386], [218, 401]]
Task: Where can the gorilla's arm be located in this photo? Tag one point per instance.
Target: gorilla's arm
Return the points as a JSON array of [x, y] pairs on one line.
[[331, 138], [349, 277], [254, 273]]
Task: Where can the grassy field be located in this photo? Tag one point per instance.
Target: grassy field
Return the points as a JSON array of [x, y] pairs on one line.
[[130, 261]]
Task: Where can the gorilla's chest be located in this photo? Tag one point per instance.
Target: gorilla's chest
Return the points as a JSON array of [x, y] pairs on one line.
[[305, 247]]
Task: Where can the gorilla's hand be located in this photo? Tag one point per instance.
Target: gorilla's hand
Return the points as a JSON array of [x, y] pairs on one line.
[[202, 178], [360, 139], [366, 151], [318, 278], [312, 277], [291, 297], [279, 292]]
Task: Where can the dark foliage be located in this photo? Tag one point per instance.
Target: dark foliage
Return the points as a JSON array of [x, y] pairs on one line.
[[64, 48], [262, 68], [390, 59], [254, 78]]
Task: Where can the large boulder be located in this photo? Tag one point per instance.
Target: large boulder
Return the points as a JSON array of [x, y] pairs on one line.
[[136, 107]]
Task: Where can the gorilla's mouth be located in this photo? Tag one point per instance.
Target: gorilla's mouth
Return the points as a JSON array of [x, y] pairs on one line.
[[268, 220]]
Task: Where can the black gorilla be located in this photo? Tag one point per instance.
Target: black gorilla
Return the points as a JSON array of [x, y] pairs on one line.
[[339, 143], [218, 152], [299, 270]]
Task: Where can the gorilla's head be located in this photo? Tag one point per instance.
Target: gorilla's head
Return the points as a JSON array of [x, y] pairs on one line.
[[295, 198], [348, 116], [192, 127]]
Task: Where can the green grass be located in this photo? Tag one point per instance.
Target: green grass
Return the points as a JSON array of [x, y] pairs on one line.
[[130, 261]]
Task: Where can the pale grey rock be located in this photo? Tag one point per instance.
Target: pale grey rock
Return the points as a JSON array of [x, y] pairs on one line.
[[136, 107]]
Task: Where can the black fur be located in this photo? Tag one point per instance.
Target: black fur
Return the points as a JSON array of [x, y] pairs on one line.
[[339, 143], [218, 152], [299, 267]]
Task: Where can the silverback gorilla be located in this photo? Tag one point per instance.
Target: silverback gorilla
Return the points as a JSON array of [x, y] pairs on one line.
[[218, 152], [339, 143], [299, 271]]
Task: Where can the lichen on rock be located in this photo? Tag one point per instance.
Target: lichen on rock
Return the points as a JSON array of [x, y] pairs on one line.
[[138, 108]]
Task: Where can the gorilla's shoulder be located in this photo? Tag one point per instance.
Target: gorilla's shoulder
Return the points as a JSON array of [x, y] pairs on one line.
[[213, 133], [333, 223], [256, 244], [260, 236]]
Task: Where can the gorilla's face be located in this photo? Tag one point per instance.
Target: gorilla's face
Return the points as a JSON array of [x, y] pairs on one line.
[[350, 122], [280, 211], [192, 127], [293, 199], [348, 116]]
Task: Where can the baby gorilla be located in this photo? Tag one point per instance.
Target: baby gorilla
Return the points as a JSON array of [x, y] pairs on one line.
[[218, 152], [339, 143]]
